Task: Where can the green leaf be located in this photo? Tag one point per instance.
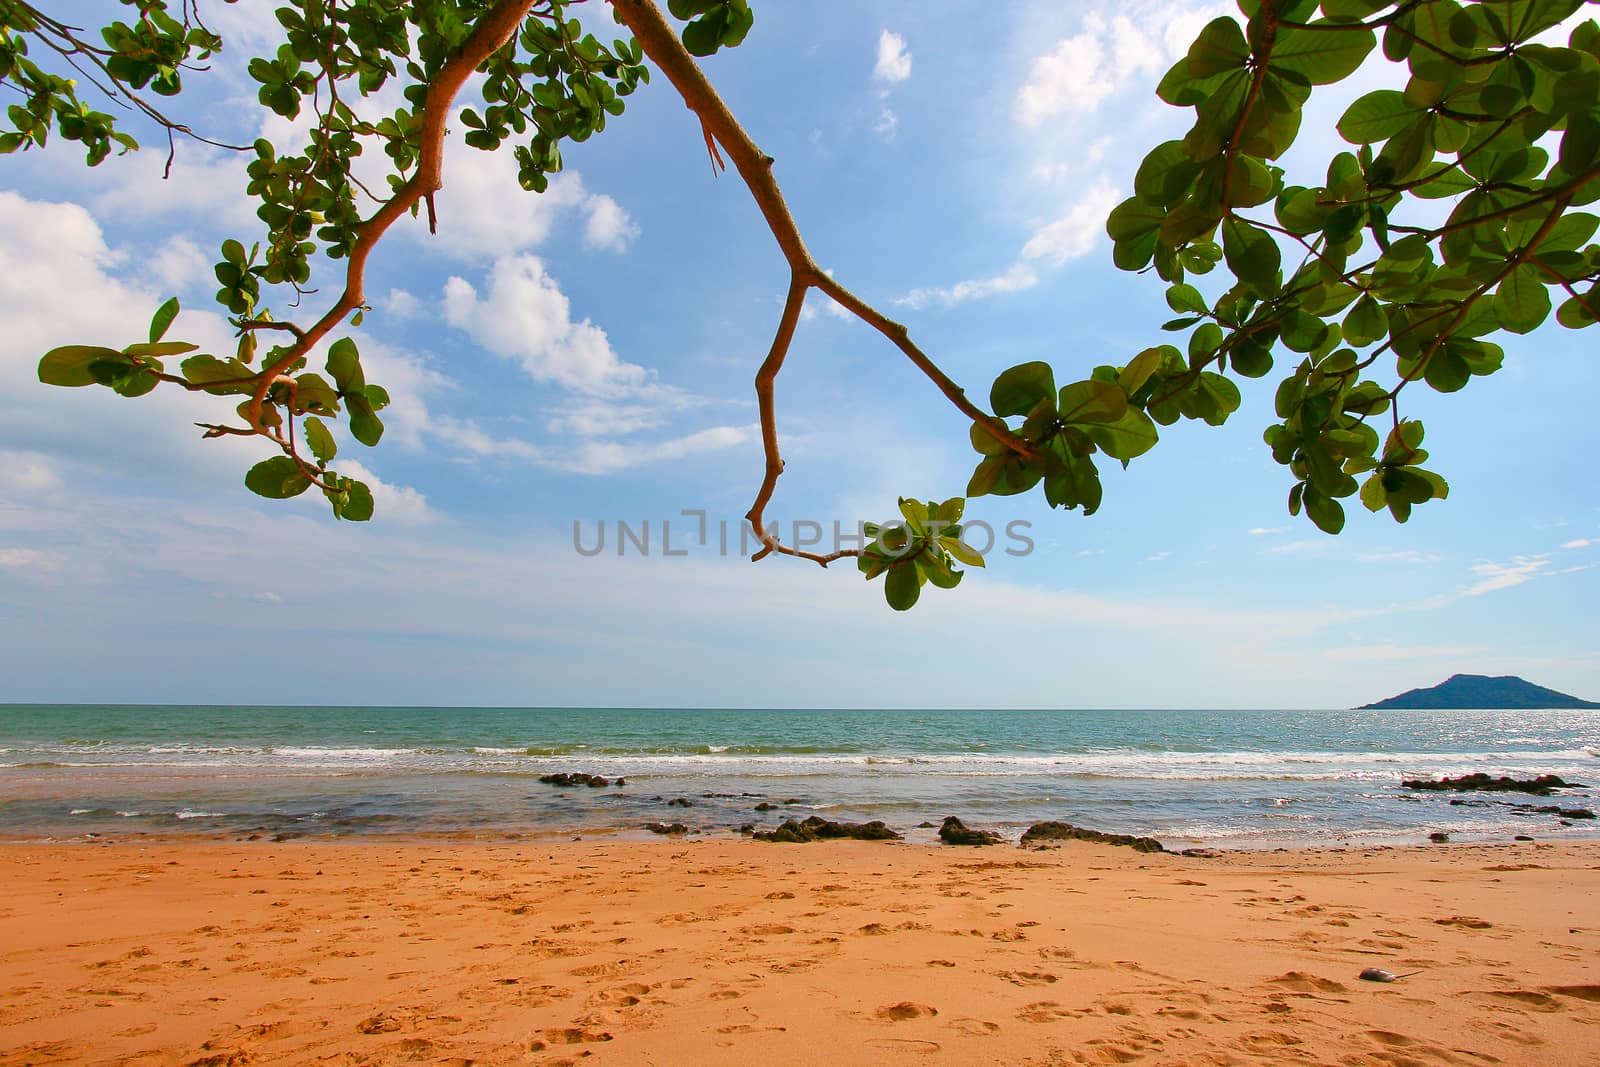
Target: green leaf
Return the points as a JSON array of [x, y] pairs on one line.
[[1576, 313], [1322, 56], [1251, 252], [1522, 302], [162, 319], [1092, 402], [1365, 323], [1186, 298], [319, 439], [1326, 512], [962, 551], [277, 478], [69, 365], [1376, 117], [1132, 435], [365, 426], [1019, 389], [1133, 377], [902, 586], [1446, 371], [160, 348], [313, 393], [358, 503], [344, 363], [1221, 46]]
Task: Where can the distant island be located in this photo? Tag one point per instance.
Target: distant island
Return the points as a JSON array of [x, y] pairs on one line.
[[1482, 691]]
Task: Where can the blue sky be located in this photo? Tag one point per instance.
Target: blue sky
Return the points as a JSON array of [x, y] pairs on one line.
[[587, 355]]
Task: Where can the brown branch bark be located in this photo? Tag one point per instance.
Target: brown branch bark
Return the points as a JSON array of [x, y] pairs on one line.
[[660, 42], [492, 31]]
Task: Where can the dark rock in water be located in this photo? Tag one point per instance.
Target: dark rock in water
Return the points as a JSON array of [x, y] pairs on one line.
[[1522, 837], [620, 781], [819, 829], [674, 829], [926, 825], [794, 800], [1439, 838], [1065, 831], [747, 829], [954, 832], [1482, 783], [766, 806], [1553, 809], [565, 779], [680, 802]]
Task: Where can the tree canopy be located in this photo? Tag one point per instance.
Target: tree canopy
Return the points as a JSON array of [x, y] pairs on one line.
[[1453, 215]]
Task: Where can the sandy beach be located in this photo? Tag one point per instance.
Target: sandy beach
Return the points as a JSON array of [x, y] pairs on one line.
[[691, 952]]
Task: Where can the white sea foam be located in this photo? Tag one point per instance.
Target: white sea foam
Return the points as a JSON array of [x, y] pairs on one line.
[[186, 813]]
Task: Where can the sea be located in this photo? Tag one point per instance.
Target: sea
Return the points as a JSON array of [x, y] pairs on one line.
[[1219, 779]]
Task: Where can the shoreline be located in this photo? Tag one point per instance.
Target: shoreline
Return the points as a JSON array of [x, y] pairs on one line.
[[720, 950]]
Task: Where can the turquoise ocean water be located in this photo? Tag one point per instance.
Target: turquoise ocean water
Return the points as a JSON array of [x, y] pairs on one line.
[[1218, 778]]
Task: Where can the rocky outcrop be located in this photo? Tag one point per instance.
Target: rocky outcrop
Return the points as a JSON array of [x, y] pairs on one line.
[[954, 832], [565, 779], [670, 829], [814, 828], [1482, 783], [1041, 832]]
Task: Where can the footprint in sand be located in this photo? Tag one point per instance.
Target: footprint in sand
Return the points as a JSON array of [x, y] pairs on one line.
[[896, 1044], [974, 1027], [905, 1010], [1528, 998], [1027, 977], [1590, 993], [571, 1035], [1301, 982], [1043, 1011]]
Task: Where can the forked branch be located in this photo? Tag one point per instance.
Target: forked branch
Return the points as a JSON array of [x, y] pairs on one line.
[[660, 42]]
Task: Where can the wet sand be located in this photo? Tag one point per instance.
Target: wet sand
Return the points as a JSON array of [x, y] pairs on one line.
[[738, 952]]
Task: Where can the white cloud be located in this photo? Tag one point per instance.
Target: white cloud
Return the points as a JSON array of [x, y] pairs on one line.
[[484, 214], [590, 454], [1496, 576], [1263, 531], [206, 187], [181, 266], [608, 457], [609, 228], [1017, 278], [68, 294], [26, 559], [1581, 542], [1387, 653], [526, 317], [894, 60], [391, 503], [26, 472], [1157, 557], [1077, 232], [1107, 55], [888, 123], [1405, 555], [400, 303]]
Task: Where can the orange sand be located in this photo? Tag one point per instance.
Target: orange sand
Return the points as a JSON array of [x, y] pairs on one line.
[[735, 952]]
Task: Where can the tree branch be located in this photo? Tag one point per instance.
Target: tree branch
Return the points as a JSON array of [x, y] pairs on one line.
[[492, 31], [660, 42]]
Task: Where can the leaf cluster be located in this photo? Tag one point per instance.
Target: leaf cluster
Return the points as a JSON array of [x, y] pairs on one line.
[[924, 548]]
